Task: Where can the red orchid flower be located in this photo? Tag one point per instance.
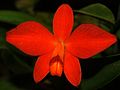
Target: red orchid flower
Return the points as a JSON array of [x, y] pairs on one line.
[[60, 52]]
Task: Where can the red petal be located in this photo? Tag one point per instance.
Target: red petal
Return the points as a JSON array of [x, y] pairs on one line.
[[88, 40], [63, 21], [41, 68], [72, 69], [32, 38]]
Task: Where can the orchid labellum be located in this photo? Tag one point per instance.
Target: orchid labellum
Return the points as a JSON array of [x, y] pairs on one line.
[[59, 52]]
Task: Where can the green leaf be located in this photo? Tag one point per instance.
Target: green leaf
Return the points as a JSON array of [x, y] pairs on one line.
[[99, 11], [107, 74], [80, 19], [6, 85], [15, 17]]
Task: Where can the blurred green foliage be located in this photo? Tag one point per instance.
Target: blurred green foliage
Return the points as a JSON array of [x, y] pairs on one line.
[[26, 5], [103, 77], [6, 85], [14, 17], [99, 11]]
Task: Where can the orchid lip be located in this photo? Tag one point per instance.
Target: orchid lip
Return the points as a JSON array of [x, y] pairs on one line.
[[56, 66]]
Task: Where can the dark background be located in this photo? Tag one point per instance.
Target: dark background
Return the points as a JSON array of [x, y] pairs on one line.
[[46, 5]]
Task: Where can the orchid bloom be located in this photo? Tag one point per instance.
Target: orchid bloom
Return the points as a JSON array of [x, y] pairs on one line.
[[59, 52]]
